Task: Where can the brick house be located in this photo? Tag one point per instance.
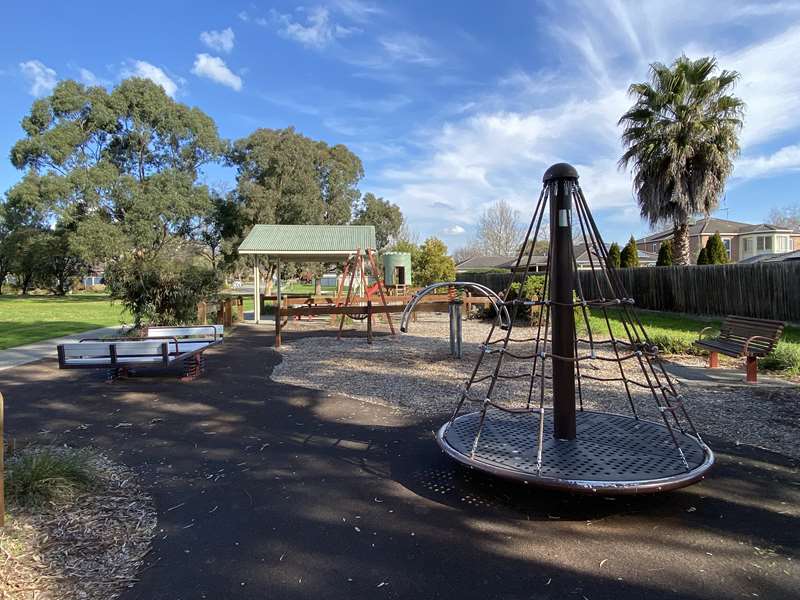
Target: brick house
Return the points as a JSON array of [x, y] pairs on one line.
[[742, 240]]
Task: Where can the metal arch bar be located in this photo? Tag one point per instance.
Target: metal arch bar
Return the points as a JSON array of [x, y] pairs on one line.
[[497, 302]]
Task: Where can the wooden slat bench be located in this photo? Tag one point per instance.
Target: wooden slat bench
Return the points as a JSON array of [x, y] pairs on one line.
[[160, 347], [742, 337]]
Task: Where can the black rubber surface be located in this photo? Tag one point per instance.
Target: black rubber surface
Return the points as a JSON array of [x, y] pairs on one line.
[[265, 490]]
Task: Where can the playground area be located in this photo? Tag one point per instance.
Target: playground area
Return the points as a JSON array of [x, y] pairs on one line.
[[415, 373], [271, 489]]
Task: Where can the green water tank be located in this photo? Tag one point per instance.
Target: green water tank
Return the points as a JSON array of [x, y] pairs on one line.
[[397, 268]]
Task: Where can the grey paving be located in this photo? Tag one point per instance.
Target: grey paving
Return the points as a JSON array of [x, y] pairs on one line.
[[22, 355]]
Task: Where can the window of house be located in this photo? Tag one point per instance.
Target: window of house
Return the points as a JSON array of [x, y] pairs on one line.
[[747, 245], [727, 243], [764, 243]]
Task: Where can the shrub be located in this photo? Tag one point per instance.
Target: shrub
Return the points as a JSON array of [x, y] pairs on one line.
[[160, 292], [665, 254], [785, 357], [630, 255], [614, 256], [38, 475]]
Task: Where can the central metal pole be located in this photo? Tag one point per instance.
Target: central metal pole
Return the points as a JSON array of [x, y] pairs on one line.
[[562, 281]]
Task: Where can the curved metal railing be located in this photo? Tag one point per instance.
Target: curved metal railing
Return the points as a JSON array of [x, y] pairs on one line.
[[497, 301]]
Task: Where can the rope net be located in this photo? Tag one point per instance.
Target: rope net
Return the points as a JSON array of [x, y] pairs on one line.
[[513, 374]]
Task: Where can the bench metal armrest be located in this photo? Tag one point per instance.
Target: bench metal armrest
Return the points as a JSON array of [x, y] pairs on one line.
[[750, 339], [703, 330]]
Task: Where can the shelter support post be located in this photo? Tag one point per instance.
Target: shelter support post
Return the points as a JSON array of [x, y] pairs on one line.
[[256, 291]]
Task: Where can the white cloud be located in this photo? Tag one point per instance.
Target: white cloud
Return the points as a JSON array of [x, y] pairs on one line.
[[243, 16], [784, 160], [215, 69], [356, 10], [317, 32], [41, 77], [140, 68], [221, 41], [500, 145], [454, 230], [770, 71], [409, 48], [88, 77]]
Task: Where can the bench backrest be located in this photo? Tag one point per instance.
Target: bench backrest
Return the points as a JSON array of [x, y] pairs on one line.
[[214, 332], [739, 329]]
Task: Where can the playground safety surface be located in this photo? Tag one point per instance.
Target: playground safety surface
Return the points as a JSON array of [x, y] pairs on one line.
[[266, 490]]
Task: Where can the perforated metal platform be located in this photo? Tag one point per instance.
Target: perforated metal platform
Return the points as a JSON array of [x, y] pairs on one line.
[[612, 453]]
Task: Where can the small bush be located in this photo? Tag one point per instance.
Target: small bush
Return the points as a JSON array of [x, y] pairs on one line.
[[785, 357], [673, 343], [36, 476]]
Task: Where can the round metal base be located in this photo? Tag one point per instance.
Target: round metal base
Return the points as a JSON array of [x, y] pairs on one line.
[[611, 453]]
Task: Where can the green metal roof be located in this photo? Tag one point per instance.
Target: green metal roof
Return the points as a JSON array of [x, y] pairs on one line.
[[325, 243]]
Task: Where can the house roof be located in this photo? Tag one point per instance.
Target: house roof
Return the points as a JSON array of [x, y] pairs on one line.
[[711, 225], [509, 262], [487, 262], [308, 243], [771, 257]]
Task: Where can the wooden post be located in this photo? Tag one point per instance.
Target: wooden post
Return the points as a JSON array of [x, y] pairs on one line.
[[369, 321], [713, 360], [240, 308], [2, 469], [380, 287], [227, 313], [202, 312], [752, 369]]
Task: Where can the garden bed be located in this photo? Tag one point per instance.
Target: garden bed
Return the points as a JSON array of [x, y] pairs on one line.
[[83, 545]]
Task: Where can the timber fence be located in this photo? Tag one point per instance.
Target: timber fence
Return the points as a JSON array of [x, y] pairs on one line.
[[760, 290]]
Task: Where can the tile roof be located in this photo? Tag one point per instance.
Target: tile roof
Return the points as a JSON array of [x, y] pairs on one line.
[[711, 225]]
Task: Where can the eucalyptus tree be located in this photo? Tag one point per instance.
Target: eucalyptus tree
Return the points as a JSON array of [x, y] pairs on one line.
[[681, 138], [287, 178], [385, 216], [119, 170]]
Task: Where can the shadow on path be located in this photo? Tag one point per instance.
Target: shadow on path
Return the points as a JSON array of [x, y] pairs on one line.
[[266, 490]]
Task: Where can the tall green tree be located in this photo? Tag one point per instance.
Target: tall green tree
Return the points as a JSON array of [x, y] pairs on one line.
[[614, 257], [715, 250], [120, 169], [432, 263], [287, 178], [665, 254], [681, 138], [385, 216], [629, 257], [702, 257]]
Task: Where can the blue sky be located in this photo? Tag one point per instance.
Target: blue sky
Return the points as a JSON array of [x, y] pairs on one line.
[[451, 105]]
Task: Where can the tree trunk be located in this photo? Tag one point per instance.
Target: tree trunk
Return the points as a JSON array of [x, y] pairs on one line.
[[680, 247], [317, 286]]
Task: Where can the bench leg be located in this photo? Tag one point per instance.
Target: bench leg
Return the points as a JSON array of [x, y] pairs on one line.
[[713, 360], [752, 369]]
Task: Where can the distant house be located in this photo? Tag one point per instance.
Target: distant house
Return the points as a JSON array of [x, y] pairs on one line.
[[539, 262], [743, 241]]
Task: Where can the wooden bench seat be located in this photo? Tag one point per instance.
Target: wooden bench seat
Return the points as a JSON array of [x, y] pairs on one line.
[[742, 337]]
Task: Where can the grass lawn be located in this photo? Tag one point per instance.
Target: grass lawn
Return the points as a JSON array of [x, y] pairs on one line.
[[27, 319], [675, 334]]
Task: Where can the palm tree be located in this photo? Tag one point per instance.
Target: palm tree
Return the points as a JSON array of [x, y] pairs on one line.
[[680, 138]]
